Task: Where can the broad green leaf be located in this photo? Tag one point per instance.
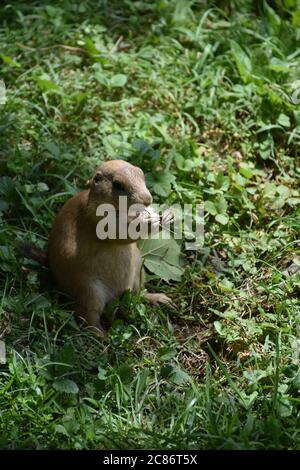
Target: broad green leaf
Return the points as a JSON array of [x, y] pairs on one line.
[[102, 374], [226, 285], [222, 181], [221, 205], [47, 85], [222, 219], [165, 271], [270, 189], [42, 187], [284, 407], [125, 373], [90, 46], [218, 327], [52, 148], [229, 314], [169, 250], [284, 191], [296, 18], [118, 81], [284, 120], [113, 143], [296, 381], [66, 386], [210, 207], [240, 181], [242, 61], [162, 257], [279, 65], [248, 400], [161, 183], [65, 357], [166, 353], [7, 187], [166, 371], [102, 78], [60, 429], [182, 11], [246, 172], [179, 376]]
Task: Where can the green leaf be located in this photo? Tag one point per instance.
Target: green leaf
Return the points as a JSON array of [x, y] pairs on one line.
[[7, 187], [226, 285], [179, 376], [284, 191], [66, 386], [90, 46], [279, 65], [160, 182], [284, 120], [218, 327], [9, 61], [125, 373], [166, 353], [270, 189], [296, 18], [284, 407], [246, 172], [52, 148], [221, 205], [162, 257], [102, 374], [222, 219], [229, 315], [60, 429], [274, 21], [4, 206], [166, 371], [296, 381], [42, 187], [222, 181], [118, 81], [242, 61], [163, 270], [240, 181], [101, 78], [210, 207], [141, 383], [65, 357], [113, 144], [248, 400], [47, 85]]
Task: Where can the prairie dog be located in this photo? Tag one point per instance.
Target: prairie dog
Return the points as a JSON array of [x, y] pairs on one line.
[[95, 272]]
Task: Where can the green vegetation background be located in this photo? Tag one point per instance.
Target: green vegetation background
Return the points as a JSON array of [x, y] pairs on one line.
[[203, 96]]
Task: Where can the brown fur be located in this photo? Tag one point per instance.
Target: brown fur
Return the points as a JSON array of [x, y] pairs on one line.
[[92, 271]]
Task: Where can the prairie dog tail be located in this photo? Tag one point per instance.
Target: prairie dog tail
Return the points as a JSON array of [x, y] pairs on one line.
[[31, 251]]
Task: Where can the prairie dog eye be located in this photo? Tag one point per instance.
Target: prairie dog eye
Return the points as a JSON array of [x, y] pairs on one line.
[[118, 186]]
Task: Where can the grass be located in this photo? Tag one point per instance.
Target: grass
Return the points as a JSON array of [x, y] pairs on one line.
[[199, 94]]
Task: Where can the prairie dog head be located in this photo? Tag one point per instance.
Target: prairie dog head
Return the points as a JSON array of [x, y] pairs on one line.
[[112, 181], [117, 178]]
